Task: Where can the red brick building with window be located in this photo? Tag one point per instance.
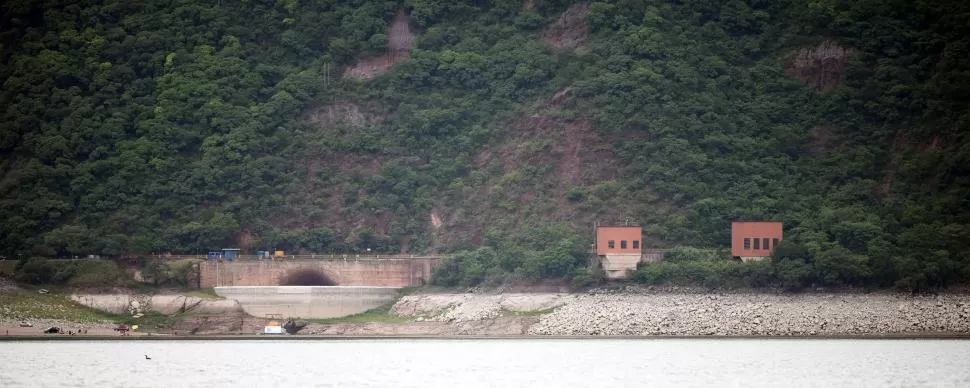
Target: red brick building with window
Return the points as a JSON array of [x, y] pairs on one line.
[[619, 240], [619, 249], [755, 240]]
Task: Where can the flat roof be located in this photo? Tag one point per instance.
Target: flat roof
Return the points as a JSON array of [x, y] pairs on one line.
[[758, 221]]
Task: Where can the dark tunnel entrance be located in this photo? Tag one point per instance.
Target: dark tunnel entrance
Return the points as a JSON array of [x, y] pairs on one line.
[[306, 277]]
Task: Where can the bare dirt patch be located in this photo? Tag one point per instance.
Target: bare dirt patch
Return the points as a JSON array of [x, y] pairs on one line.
[[822, 66], [570, 29], [7, 285], [345, 112], [581, 155], [400, 40], [890, 170], [218, 324], [545, 154]]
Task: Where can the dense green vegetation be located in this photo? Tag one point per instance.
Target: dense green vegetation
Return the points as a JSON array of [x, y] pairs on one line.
[[81, 273], [130, 127], [793, 268], [101, 273]]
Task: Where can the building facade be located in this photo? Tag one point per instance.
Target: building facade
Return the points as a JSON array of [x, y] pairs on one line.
[[619, 249], [755, 240], [619, 240]]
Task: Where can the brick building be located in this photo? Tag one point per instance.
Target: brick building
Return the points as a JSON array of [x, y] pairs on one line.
[[755, 240], [618, 249]]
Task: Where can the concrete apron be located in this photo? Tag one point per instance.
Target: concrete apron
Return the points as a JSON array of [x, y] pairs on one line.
[[308, 301]]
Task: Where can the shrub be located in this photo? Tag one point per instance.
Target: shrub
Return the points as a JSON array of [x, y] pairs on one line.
[[706, 273], [96, 273], [684, 254], [583, 278], [495, 276]]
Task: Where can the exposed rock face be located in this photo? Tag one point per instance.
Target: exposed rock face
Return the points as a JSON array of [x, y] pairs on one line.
[[570, 29], [822, 66], [400, 40], [471, 307], [132, 304], [229, 323], [581, 155]]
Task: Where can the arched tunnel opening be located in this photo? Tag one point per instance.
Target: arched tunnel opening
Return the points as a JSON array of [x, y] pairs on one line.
[[306, 277]]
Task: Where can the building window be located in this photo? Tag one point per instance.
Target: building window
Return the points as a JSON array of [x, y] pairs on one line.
[[611, 244], [757, 243], [764, 242], [774, 243], [636, 244], [747, 243], [622, 244]]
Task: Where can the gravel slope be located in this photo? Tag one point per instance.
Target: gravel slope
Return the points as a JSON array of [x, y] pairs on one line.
[[638, 314]]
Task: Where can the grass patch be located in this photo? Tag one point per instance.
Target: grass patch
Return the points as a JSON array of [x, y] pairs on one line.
[[529, 313], [380, 314], [65, 272], [95, 273], [153, 320], [204, 293], [26, 306], [410, 290], [7, 268]]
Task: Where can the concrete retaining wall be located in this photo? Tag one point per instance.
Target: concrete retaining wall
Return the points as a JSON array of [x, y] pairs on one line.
[[753, 258], [165, 304], [345, 272], [308, 301], [616, 265]]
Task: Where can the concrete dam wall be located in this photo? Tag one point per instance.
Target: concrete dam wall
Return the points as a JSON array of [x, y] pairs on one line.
[[308, 302], [378, 272]]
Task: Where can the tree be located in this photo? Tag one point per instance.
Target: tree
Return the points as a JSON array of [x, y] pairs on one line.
[[156, 271], [838, 266]]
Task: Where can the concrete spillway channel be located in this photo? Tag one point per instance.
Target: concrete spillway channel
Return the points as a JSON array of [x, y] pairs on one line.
[[308, 301]]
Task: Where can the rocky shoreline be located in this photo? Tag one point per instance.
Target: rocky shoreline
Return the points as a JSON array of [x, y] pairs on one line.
[[696, 314], [628, 313], [757, 315]]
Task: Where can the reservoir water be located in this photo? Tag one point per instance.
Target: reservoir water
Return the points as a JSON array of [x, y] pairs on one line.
[[488, 363]]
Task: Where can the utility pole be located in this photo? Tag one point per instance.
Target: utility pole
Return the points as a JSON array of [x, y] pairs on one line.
[[326, 87]]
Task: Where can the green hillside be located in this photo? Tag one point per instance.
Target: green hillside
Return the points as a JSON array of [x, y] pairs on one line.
[[136, 127]]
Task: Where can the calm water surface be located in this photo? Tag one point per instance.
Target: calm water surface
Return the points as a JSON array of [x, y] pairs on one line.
[[488, 363]]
